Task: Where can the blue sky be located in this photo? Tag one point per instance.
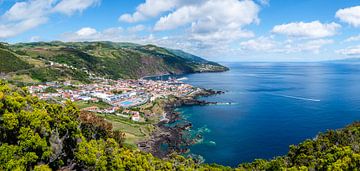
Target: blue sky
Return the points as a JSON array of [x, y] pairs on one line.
[[220, 30]]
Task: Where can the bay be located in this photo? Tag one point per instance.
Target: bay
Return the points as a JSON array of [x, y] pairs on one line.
[[269, 106]]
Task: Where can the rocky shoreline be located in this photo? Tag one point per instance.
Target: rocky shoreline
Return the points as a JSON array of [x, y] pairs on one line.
[[166, 140]]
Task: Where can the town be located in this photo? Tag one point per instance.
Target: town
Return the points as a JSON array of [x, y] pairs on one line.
[[118, 97]]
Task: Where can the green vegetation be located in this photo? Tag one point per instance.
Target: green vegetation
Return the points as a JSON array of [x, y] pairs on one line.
[[84, 104], [134, 131], [53, 74], [36, 135], [10, 62], [41, 136], [52, 61], [50, 90]]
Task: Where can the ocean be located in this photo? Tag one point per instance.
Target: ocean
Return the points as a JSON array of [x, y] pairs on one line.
[[269, 106]]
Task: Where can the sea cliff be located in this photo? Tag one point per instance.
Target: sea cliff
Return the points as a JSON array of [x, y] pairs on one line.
[[169, 138]]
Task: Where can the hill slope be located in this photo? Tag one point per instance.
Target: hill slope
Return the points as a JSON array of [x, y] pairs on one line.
[[47, 61], [11, 63]]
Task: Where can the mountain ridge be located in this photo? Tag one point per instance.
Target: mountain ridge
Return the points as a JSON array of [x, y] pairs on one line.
[[52, 61]]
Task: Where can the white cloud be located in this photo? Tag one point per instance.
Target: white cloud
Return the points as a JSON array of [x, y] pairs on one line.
[[69, 7], [115, 34], [312, 45], [23, 16], [208, 21], [15, 28], [264, 2], [132, 18], [86, 31], [34, 38], [353, 38], [136, 28], [204, 20], [268, 44], [232, 13], [201, 26], [26, 15], [350, 51], [350, 15], [150, 8], [259, 44], [27, 10], [313, 29]]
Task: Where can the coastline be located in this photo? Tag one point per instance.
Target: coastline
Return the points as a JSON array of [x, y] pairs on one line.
[[223, 69], [166, 140]]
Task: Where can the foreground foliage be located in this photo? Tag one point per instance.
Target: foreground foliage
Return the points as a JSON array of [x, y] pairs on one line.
[[36, 135]]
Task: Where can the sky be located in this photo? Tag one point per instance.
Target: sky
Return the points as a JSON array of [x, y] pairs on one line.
[[218, 30]]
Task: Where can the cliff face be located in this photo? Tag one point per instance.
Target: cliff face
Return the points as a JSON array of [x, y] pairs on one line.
[[57, 60]]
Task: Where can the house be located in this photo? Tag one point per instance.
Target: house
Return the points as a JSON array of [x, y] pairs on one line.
[[111, 109], [86, 98], [135, 117], [94, 100]]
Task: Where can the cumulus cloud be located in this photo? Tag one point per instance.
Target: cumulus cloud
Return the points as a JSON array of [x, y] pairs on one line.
[[259, 44], [350, 15], [210, 13], [136, 28], [150, 8], [312, 45], [314, 29], [153, 8], [23, 16], [350, 51], [110, 34], [34, 38], [353, 38], [205, 24], [15, 28], [27, 10], [69, 7], [86, 31], [209, 21], [203, 20], [269, 44], [264, 2]]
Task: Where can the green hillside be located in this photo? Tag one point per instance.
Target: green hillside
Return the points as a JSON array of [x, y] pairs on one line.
[[10, 62], [47, 61]]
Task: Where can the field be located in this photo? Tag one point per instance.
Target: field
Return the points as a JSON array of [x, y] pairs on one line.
[[134, 131], [83, 104]]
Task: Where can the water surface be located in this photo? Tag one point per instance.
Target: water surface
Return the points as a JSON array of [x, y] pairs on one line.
[[273, 105]]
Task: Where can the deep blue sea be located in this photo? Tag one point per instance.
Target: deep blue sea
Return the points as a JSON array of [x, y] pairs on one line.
[[273, 106]]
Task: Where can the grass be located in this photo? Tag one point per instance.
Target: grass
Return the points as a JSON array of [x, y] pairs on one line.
[[134, 131], [84, 104], [23, 78], [11, 63]]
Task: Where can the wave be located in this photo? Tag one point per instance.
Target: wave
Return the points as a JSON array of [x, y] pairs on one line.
[[270, 89], [250, 75], [182, 79], [226, 103], [297, 97]]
